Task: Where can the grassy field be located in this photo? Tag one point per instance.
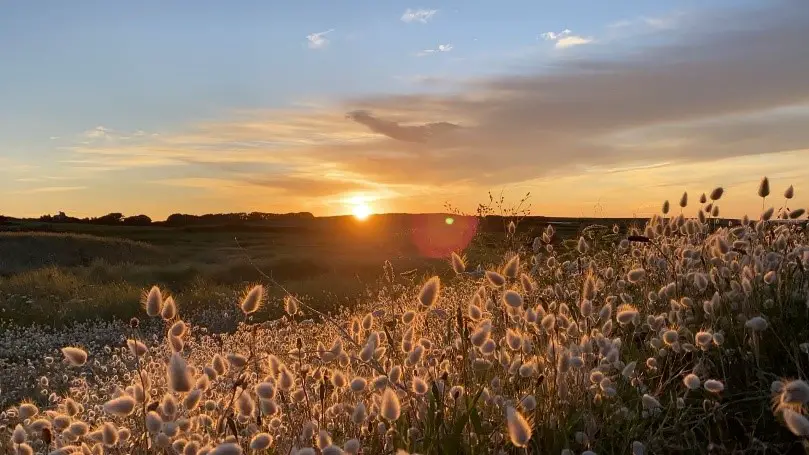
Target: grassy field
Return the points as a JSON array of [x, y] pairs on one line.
[[670, 335], [53, 273]]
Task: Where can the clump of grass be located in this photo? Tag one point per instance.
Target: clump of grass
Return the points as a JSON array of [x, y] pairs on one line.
[[685, 335]]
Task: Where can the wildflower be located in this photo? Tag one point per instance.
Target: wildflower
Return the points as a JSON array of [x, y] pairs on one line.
[[684, 200], [665, 208], [789, 192], [626, 314], [76, 356], [518, 429], [253, 299], [716, 194]]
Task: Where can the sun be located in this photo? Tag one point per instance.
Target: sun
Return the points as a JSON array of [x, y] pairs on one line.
[[361, 211]]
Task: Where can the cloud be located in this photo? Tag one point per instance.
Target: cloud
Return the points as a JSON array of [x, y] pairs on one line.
[[565, 39], [418, 15], [99, 132], [50, 189], [318, 40], [440, 48], [393, 130], [724, 88]]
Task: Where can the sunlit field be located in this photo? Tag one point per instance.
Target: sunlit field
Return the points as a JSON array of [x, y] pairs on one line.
[[686, 333]]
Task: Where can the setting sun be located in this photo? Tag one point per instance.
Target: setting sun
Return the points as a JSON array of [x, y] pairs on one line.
[[361, 211]]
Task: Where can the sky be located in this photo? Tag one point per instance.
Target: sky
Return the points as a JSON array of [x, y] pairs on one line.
[[597, 108]]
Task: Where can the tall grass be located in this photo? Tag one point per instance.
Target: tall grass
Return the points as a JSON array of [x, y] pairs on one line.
[[679, 336]]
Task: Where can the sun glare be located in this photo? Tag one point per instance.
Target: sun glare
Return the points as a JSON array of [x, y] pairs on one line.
[[361, 211]]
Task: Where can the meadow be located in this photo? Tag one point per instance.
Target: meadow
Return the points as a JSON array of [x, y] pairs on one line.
[[685, 333]]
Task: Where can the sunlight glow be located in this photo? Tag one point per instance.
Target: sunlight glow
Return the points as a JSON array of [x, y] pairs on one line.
[[361, 211]]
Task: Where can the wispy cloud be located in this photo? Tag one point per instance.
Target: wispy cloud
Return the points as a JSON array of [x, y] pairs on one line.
[[418, 15], [318, 40], [565, 39], [50, 189], [98, 132], [439, 48]]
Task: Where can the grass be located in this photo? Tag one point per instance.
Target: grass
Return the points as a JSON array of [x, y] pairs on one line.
[[55, 274], [680, 335]]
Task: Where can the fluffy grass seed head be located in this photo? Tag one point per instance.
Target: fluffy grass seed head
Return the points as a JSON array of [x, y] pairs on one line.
[[519, 431], [390, 408], [252, 299], [153, 302], [691, 381], [714, 386], [177, 374], [428, 296], [513, 299], [75, 356], [457, 262], [796, 422], [169, 310], [121, 406], [764, 187]]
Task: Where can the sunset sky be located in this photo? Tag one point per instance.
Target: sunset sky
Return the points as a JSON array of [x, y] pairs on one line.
[[599, 108]]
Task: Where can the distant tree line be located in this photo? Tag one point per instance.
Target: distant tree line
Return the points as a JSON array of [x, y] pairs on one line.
[[174, 220], [179, 219]]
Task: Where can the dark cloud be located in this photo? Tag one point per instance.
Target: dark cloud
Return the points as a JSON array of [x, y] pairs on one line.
[[393, 130]]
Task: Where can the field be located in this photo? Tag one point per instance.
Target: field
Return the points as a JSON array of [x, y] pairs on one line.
[[679, 334]]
